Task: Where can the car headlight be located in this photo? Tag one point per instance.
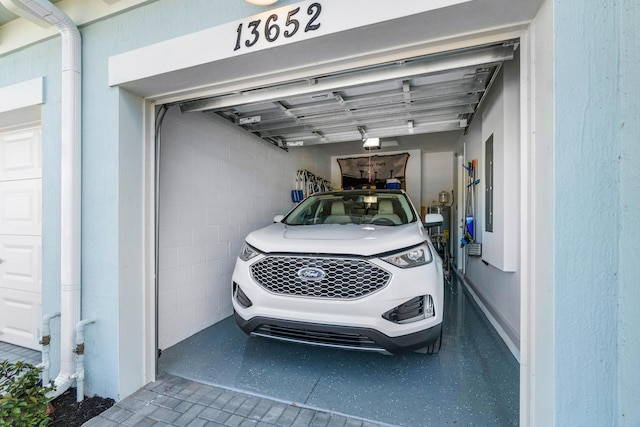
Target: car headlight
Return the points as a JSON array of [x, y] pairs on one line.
[[414, 257], [248, 252]]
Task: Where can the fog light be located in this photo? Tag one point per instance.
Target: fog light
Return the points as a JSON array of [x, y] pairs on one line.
[[415, 309], [240, 296]]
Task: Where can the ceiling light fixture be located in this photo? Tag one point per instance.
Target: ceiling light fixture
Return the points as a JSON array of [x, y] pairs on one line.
[[261, 2], [371, 143], [368, 143]]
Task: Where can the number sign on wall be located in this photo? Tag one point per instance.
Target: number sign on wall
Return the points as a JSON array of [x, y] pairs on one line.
[[276, 26]]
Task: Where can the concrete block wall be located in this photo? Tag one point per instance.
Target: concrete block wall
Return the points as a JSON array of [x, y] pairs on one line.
[[217, 184]]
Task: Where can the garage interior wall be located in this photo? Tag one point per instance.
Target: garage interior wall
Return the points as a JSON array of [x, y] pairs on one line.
[[497, 287], [437, 176], [217, 184]]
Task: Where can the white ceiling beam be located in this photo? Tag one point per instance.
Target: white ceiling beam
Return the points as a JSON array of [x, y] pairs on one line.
[[428, 65], [351, 136]]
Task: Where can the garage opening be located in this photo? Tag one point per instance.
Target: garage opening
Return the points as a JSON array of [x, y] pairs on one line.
[[229, 165]]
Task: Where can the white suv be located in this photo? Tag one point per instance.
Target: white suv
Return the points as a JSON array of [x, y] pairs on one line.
[[347, 269]]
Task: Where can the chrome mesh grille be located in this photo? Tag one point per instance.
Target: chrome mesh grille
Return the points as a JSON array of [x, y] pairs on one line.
[[337, 278]]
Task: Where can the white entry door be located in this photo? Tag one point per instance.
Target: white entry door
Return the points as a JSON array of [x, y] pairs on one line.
[[21, 236]]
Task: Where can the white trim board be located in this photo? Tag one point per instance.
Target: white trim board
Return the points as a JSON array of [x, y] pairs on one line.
[[20, 103], [21, 95], [513, 348], [187, 51]]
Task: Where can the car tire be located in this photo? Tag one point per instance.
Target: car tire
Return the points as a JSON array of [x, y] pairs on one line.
[[433, 348]]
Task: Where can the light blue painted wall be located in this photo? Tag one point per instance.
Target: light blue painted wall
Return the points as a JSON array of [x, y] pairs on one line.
[[167, 19], [110, 177], [100, 216], [588, 121], [130, 237], [31, 62], [629, 267]]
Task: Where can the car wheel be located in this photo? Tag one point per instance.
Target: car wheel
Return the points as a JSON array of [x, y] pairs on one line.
[[433, 348]]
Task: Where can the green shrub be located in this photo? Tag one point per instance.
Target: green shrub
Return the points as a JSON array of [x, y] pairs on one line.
[[23, 399]]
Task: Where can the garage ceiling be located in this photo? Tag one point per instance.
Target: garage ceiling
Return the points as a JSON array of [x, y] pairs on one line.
[[435, 93]]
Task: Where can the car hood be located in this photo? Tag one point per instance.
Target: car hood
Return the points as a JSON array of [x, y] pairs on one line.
[[346, 239]]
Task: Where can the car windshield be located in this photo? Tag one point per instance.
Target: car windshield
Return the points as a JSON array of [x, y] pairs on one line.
[[353, 207]]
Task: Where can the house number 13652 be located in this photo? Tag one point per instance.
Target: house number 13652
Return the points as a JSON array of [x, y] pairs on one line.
[[272, 30]]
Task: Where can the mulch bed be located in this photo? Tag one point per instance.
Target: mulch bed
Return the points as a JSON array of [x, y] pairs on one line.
[[66, 412]]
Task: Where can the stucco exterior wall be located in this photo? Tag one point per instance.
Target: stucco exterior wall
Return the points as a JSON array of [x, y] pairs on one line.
[[588, 147]]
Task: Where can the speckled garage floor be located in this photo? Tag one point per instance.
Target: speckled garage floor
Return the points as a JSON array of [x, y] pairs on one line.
[[473, 380]]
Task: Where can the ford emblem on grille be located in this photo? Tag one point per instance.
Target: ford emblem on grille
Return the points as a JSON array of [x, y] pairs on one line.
[[310, 274]]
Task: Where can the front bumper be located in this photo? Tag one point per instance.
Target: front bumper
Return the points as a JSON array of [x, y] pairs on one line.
[[336, 336], [354, 323]]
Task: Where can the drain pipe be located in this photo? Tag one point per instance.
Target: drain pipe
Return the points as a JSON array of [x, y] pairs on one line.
[[46, 344], [42, 12], [79, 374]]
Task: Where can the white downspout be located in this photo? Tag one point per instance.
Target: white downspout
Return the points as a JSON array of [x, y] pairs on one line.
[[43, 12]]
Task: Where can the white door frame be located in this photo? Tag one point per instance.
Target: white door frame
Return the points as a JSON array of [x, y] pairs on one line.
[[536, 226], [149, 269]]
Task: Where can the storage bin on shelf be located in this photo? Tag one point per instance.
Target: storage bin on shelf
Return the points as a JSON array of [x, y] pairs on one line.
[[393, 184]]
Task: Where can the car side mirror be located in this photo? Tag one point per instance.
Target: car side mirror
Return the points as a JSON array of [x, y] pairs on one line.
[[433, 219], [278, 218]]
